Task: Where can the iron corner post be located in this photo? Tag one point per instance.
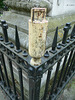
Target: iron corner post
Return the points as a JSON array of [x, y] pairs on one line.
[[35, 76]]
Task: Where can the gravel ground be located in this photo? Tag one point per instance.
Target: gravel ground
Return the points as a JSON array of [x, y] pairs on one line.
[[3, 96]]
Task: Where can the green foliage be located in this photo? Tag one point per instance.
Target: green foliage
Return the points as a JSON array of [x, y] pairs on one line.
[[1, 3]]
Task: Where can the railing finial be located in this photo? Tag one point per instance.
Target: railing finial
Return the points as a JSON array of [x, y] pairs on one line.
[[17, 42], [3, 22], [66, 30], [5, 27], [54, 44]]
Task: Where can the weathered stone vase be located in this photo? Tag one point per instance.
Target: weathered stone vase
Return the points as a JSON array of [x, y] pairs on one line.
[[37, 35]]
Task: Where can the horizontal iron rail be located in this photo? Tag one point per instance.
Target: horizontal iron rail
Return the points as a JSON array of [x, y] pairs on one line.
[[5, 49], [10, 56], [59, 51], [59, 58]]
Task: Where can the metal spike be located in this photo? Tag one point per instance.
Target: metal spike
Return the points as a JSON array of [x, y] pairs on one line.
[[54, 44], [73, 33], [5, 27], [17, 42]]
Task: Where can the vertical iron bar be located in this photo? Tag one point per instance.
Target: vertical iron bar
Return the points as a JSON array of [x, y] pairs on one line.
[[63, 79], [3, 81], [55, 77], [59, 81], [21, 83], [73, 66], [0, 77], [5, 70], [12, 77], [73, 63], [70, 66], [47, 84]]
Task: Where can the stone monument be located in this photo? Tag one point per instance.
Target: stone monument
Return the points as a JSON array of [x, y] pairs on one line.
[[26, 5]]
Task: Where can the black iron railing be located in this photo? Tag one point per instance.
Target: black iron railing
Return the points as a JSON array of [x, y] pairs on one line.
[[64, 53]]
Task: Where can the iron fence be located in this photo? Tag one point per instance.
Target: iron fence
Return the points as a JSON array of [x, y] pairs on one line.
[[64, 53]]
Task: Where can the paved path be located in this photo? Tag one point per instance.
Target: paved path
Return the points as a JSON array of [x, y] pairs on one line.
[[3, 96], [68, 92]]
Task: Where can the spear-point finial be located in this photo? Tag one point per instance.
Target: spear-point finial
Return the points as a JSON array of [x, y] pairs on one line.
[[73, 32], [17, 42], [54, 44], [5, 27]]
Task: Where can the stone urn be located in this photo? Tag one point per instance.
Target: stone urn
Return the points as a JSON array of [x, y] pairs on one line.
[[38, 26]]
